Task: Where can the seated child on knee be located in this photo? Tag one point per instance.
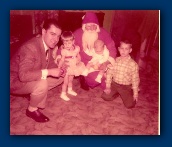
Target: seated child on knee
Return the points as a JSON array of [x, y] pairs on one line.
[[100, 55]]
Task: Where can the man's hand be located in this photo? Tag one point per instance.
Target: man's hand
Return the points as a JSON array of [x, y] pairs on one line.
[[56, 72]]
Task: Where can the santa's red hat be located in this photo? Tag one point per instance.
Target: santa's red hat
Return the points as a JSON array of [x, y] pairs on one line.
[[90, 17]]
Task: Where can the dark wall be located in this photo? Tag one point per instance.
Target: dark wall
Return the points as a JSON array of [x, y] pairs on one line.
[[136, 26], [21, 26], [73, 20]]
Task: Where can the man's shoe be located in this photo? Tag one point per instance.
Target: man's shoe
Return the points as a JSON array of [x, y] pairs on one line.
[[83, 83], [37, 116], [27, 96]]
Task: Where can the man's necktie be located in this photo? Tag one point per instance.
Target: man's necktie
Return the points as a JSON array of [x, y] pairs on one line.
[[47, 54]]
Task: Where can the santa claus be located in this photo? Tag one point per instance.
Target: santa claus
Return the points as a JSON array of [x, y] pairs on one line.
[[85, 38]]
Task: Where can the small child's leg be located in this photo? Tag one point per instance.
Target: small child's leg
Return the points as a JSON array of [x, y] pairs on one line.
[[99, 77], [87, 69], [64, 96], [70, 90], [64, 89], [85, 72]]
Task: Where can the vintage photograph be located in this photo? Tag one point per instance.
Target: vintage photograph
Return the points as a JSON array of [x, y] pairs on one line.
[[84, 72]]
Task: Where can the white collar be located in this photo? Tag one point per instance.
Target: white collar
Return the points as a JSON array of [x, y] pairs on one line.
[[45, 46]]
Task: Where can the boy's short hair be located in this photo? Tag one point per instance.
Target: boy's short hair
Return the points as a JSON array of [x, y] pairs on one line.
[[126, 42], [67, 35]]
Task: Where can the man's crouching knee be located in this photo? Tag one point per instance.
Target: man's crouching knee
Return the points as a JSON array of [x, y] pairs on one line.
[[40, 87]]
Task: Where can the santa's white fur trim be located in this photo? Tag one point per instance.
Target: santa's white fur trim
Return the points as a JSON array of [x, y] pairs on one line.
[[97, 30]]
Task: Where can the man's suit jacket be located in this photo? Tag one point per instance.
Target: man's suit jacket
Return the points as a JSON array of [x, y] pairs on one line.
[[27, 63]]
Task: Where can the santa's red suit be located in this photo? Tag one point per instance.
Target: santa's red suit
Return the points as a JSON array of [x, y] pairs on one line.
[[103, 35]]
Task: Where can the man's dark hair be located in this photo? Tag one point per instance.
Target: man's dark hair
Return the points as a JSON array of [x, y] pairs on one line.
[[49, 22]]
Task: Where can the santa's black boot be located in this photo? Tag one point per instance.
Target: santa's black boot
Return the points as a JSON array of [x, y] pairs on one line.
[[83, 83]]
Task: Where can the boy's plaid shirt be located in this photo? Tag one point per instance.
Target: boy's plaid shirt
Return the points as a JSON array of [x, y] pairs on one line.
[[124, 72]]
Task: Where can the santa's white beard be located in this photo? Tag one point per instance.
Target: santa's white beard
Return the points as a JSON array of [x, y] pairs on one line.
[[88, 39]]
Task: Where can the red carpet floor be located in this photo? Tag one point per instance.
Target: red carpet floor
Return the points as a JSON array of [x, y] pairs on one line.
[[88, 114]]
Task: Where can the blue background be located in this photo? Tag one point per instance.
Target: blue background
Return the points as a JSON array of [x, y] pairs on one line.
[[164, 139]]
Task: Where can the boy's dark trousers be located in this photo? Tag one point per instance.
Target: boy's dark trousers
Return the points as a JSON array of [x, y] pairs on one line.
[[125, 92]]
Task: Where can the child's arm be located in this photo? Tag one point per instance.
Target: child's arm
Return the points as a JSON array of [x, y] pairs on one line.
[[57, 59], [89, 52], [112, 61], [105, 56], [109, 76], [135, 81], [62, 59], [78, 55], [61, 62], [105, 61], [78, 58]]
